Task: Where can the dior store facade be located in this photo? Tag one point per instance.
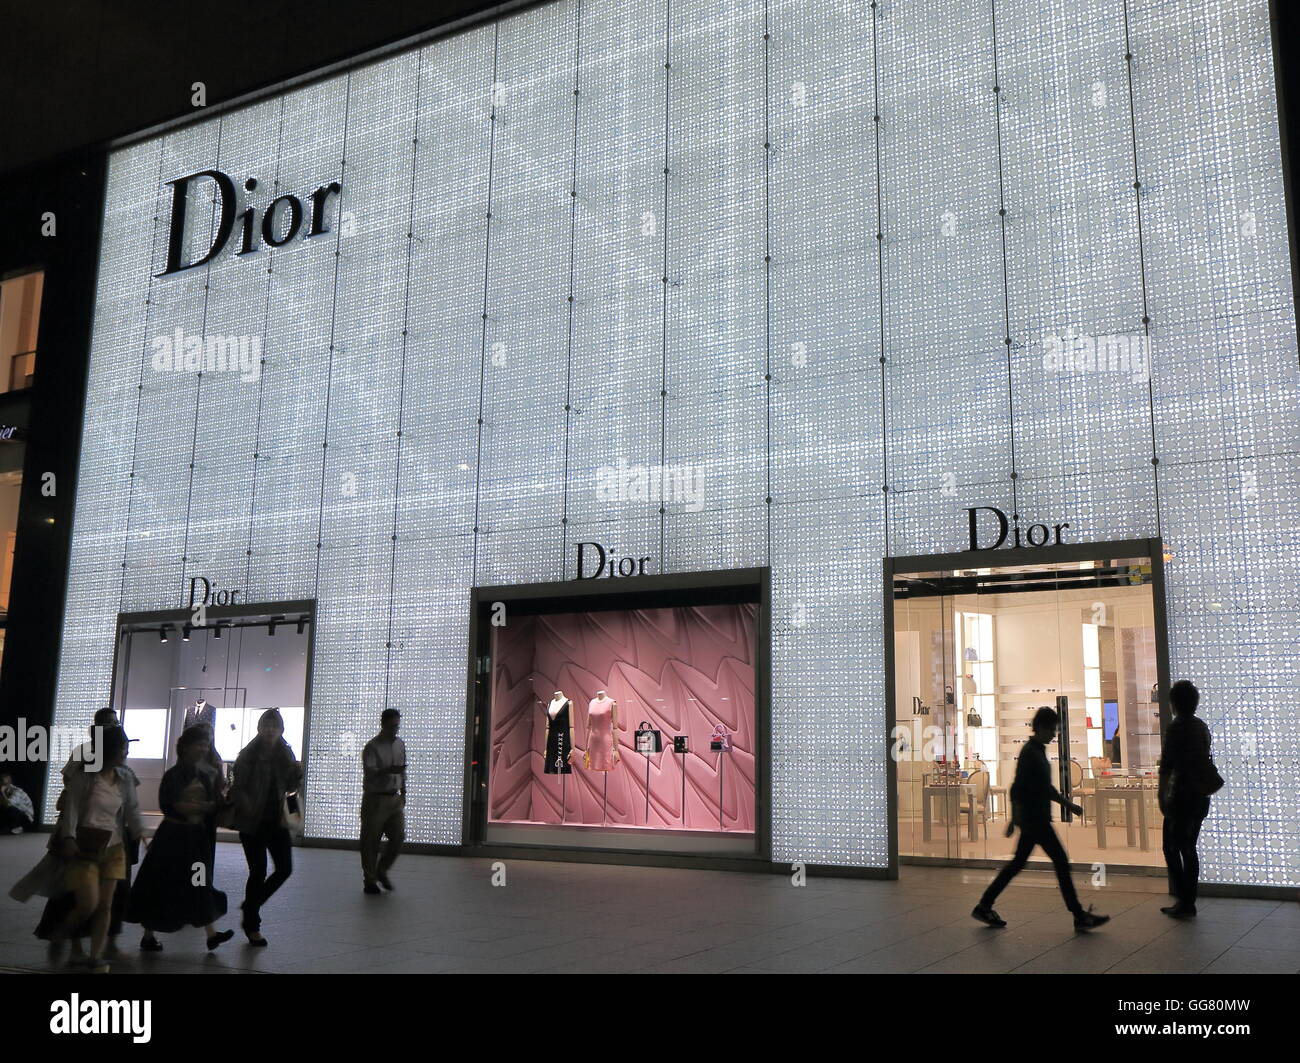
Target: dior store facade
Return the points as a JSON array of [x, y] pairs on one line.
[[584, 381]]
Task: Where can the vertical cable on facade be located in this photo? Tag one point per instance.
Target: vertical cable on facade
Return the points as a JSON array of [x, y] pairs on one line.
[[568, 350], [880, 260], [334, 303], [487, 259], [767, 275], [1002, 224], [401, 382], [1142, 272], [663, 362], [261, 376], [198, 386], [139, 392]]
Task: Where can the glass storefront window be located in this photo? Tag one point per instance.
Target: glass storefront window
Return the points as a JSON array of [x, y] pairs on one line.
[[148, 731], [20, 314], [226, 674], [976, 655], [11, 484], [625, 728]]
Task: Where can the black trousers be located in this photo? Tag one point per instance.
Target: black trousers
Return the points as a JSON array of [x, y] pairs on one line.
[[1181, 829], [269, 838], [1032, 834], [10, 818]]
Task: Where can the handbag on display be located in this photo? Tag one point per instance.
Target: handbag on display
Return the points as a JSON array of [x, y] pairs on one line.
[[680, 745], [948, 698], [970, 654], [973, 719], [720, 739], [647, 739], [291, 817], [968, 684]]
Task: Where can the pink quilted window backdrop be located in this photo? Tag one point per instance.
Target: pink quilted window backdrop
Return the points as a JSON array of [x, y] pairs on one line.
[[684, 670]]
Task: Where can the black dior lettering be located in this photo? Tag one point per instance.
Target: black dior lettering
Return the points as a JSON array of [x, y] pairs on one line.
[[210, 597], [317, 224], [1034, 535], [599, 564], [607, 562], [974, 528], [225, 193], [268, 220], [280, 222], [246, 244]]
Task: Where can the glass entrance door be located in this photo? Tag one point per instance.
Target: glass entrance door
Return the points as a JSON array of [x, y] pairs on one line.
[[945, 739], [977, 653]]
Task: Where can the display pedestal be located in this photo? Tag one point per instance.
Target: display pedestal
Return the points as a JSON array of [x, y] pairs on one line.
[[722, 757], [684, 756]]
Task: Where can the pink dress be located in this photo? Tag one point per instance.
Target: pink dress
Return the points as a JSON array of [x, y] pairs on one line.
[[600, 734]]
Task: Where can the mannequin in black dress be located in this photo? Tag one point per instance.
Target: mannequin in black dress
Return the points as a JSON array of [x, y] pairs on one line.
[[559, 735]]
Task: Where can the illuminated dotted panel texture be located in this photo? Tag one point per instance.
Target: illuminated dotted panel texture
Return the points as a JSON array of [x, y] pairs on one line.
[[813, 255]]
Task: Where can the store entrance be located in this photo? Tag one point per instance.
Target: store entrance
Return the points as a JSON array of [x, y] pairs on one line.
[[170, 674], [978, 651]]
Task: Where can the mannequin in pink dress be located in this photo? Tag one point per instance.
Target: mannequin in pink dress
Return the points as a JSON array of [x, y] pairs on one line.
[[602, 727]]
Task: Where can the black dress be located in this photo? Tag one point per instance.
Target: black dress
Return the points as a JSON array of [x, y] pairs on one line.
[[558, 745], [164, 896]]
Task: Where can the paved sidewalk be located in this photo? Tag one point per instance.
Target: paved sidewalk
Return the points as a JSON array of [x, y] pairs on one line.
[[446, 916]]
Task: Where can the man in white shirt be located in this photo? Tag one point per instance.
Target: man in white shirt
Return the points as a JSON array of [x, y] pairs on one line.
[[383, 800]]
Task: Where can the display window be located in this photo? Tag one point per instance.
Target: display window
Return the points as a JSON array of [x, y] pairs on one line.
[[978, 650], [226, 673], [12, 456], [623, 722], [20, 315]]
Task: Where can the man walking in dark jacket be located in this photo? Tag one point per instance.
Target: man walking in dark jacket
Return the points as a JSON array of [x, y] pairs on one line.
[[1187, 777], [1032, 795]]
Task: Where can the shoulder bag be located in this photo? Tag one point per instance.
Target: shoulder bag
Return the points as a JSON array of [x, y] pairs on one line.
[[291, 817]]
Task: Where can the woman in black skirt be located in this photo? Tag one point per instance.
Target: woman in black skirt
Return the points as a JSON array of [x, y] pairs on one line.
[[165, 896]]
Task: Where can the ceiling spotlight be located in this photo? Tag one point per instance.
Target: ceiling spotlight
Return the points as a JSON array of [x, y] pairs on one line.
[[185, 632], [270, 629], [216, 632], [302, 624], [162, 634]]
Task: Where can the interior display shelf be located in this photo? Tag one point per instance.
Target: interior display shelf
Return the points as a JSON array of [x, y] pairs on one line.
[[1028, 692]]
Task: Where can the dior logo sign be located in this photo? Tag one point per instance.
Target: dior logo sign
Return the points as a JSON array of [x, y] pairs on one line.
[[280, 222], [595, 560], [202, 594], [1034, 535]]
